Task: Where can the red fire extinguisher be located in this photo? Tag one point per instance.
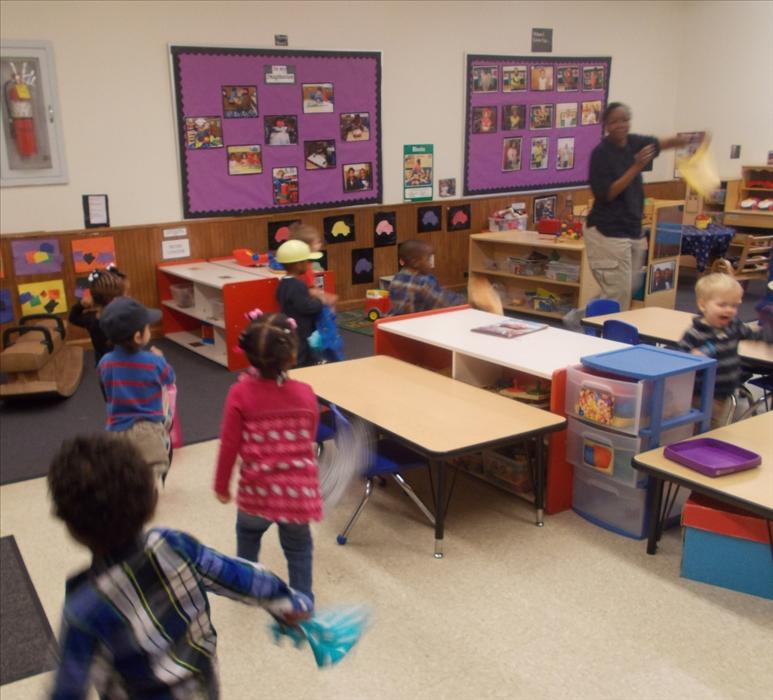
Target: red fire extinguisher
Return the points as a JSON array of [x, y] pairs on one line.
[[20, 109]]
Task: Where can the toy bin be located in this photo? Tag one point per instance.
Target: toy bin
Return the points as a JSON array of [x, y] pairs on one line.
[[611, 453], [182, 295], [216, 309], [621, 404], [563, 271]]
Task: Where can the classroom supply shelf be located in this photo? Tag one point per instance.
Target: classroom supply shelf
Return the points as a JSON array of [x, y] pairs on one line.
[[534, 275], [625, 402], [211, 325]]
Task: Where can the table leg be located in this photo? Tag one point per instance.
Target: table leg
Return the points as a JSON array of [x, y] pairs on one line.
[[654, 519], [539, 486], [440, 506]]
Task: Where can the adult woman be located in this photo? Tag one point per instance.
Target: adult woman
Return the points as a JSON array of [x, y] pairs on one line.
[[614, 238]]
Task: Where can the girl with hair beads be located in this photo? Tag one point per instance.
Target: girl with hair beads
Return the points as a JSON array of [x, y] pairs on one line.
[[104, 286], [270, 421]]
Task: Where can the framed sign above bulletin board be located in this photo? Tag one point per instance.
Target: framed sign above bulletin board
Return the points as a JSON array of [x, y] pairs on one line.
[[265, 130], [531, 122]]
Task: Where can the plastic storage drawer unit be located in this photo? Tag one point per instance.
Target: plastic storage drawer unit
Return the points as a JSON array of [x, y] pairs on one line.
[[611, 453], [621, 404]]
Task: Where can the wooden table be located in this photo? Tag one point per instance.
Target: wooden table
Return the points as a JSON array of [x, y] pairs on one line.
[[658, 325], [434, 415], [750, 490]]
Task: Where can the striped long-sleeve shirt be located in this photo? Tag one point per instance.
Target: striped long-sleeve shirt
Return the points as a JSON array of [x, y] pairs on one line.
[[138, 625], [133, 383], [722, 345]]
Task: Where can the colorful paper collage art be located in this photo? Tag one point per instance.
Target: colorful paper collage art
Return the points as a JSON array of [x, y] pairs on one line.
[[82, 291], [43, 297], [362, 266], [37, 256], [93, 253], [6, 306]]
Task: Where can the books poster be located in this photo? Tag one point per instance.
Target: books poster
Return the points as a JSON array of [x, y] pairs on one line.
[[417, 172]]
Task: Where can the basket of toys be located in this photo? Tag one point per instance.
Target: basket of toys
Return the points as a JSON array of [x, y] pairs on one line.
[[507, 220]]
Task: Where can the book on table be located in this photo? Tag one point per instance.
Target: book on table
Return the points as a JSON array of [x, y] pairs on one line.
[[510, 329]]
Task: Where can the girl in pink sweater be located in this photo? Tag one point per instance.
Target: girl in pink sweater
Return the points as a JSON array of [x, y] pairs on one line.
[[270, 422]]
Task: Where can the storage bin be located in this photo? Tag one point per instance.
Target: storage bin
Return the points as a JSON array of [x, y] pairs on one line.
[[524, 266], [611, 453], [217, 308], [616, 507], [182, 294], [563, 271], [515, 473], [622, 404]]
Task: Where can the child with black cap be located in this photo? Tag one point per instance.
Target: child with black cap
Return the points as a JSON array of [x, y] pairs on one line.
[[135, 380]]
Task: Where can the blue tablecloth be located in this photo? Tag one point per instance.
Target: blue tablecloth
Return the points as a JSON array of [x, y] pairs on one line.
[[706, 244]]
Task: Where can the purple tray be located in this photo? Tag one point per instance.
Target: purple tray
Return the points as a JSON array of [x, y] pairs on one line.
[[712, 457]]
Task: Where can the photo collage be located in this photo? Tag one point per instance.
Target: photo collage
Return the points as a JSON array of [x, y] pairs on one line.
[[285, 140], [527, 114]]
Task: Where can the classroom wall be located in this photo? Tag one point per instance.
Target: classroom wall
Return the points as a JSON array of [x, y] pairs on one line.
[[116, 96], [726, 79]]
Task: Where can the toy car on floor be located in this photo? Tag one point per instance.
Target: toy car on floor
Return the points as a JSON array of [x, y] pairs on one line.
[[377, 303]]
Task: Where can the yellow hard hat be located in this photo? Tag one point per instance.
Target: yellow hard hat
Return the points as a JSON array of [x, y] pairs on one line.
[[295, 251]]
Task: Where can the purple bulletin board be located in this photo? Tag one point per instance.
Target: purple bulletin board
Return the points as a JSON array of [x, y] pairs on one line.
[[245, 114], [519, 130]]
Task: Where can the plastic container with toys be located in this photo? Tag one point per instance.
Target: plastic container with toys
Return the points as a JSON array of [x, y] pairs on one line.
[[182, 294]]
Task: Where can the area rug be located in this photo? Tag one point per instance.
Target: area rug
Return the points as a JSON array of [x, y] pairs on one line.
[[354, 321], [27, 643]]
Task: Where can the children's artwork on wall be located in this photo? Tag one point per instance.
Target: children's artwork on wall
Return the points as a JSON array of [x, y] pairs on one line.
[[82, 291], [6, 305], [545, 208], [310, 104], [42, 297], [458, 218], [339, 229], [318, 98], [320, 155], [428, 219], [542, 95], [203, 132], [279, 232], [92, 253], [322, 262], [240, 101], [245, 160], [36, 256], [285, 187], [357, 176], [384, 228], [362, 266]]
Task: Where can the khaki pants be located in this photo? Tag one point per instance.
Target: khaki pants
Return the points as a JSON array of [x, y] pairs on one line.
[[615, 263], [152, 441]]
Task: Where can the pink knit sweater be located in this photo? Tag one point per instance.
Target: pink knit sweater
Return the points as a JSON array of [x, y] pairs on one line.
[[272, 428]]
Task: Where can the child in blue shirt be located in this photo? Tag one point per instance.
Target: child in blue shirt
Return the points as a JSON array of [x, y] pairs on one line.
[[134, 381], [136, 623], [415, 288]]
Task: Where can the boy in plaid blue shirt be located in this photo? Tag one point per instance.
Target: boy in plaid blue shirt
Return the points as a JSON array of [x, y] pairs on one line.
[[136, 623], [415, 288]]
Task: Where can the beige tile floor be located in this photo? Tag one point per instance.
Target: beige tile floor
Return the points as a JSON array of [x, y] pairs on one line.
[[513, 611]]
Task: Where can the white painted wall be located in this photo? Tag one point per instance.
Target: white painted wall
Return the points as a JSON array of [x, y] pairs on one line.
[[116, 96]]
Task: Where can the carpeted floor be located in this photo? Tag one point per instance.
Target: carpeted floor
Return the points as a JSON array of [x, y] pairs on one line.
[[31, 430], [354, 321], [27, 643]]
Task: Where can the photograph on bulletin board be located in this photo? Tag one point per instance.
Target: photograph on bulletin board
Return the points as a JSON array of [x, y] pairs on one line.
[[287, 119], [549, 112]]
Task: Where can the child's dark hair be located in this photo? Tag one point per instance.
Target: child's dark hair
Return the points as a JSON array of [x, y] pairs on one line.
[[102, 489], [410, 252], [105, 285], [270, 344], [611, 107]]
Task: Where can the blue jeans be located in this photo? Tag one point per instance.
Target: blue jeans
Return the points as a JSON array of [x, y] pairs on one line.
[[295, 539]]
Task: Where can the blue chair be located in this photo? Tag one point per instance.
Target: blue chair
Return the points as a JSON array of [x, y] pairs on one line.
[[620, 331], [600, 307], [388, 458]]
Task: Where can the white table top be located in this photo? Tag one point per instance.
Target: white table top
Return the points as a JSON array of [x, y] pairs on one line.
[[435, 413], [263, 272], [538, 354], [669, 325], [208, 274]]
